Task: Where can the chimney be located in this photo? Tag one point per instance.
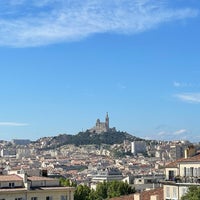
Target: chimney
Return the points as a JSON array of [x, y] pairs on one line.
[[137, 196], [186, 153], [27, 185], [154, 197]]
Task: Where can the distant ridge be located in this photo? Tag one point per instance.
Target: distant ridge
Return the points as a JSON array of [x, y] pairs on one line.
[[88, 138]]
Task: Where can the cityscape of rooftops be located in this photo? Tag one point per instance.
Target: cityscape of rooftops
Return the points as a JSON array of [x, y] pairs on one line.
[[100, 100]]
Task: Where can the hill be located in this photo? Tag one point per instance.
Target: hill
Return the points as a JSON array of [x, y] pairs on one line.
[[87, 138]]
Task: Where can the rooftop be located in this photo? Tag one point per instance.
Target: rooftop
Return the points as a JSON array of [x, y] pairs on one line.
[[12, 177], [145, 195], [195, 158]]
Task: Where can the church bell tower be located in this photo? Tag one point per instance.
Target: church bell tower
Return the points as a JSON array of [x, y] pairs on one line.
[[107, 121]]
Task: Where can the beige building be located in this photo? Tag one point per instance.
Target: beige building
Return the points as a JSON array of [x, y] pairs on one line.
[[101, 127], [21, 187], [180, 175]]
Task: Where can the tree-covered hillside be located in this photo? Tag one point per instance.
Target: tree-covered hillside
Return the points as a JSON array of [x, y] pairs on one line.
[[87, 138]]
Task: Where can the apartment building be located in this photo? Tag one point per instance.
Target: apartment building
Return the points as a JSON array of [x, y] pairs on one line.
[[138, 147], [180, 175], [108, 174], [21, 187]]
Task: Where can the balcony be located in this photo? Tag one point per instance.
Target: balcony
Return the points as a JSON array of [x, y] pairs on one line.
[[185, 179]]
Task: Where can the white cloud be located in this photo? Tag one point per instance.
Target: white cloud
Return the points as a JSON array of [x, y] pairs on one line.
[[180, 132], [189, 97], [170, 134], [177, 84], [162, 133], [12, 124], [185, 84], [33, 23]]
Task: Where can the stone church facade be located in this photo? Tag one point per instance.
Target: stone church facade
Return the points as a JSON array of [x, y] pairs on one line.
[[101, 127]]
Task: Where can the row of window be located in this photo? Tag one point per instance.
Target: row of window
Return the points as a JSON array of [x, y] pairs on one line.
[[191, 171], [10, 185], [172, 192], [49, 198]]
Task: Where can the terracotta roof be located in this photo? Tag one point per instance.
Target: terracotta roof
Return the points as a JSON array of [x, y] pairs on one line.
[[40, 178], [145, 195], [56, 188], [128, 197], [174, 163], [12, 177], [8, 190], [195, 158]]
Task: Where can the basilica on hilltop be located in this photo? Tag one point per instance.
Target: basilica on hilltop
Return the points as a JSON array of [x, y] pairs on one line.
[[101, 127]]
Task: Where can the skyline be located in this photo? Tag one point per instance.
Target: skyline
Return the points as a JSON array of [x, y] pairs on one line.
[[66, 63]]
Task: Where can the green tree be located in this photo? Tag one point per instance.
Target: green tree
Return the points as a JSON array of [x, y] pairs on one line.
[[113, 189], [119, 188], [193, 193], [102, 189], [125, 188], [67, 182], [94, 196], [82, 192]]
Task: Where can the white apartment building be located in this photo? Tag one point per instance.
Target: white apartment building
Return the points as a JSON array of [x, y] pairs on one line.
[[108, 174], [21, 187], [138, 147], [180, 175]]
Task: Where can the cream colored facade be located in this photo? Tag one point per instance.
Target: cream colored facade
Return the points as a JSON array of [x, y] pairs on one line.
[[101, 127], [180, 175], [174, 191], [171, 173], [15, 187]]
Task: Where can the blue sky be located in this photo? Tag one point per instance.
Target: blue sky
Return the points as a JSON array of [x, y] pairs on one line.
[[66, 63]]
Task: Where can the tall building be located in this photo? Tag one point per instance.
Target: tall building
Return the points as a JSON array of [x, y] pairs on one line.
[[138, 147]]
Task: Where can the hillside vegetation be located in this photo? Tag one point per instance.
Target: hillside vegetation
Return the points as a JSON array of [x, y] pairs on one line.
[[87, 138]]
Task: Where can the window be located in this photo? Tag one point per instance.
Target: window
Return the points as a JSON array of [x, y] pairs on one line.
[[49, 198], [188, 171], [195, 172], [168, 192], [185, 174], [42, 183], [191, 171], [171, 175], [174, 192], [149, 181], [34, 198], [63, 198], [18, 199], [11, 185]]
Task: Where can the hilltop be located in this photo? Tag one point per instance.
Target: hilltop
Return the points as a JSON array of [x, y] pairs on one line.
[[87, 138], [100, 133]]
